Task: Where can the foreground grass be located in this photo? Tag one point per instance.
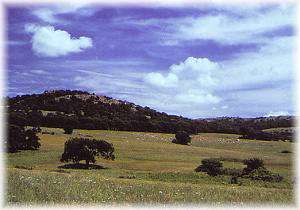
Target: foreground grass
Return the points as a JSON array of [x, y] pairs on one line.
[[51, 188], [148, 169]]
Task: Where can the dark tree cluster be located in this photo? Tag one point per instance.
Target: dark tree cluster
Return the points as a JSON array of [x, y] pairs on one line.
[[236, 125], [254, 170], [250, 133], [21, 139], [87, 111], [77, 149]]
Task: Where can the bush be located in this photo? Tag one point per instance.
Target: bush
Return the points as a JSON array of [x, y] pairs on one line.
[[182, 137], [68, 130], [77, 149], [255, 170], [212, 167], [252, 164], [264, 175]]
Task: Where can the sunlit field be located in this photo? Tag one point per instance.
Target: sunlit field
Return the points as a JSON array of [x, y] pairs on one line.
[[148, 169]]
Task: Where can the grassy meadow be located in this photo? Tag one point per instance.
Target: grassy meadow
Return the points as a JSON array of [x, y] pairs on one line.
[[148, 169]]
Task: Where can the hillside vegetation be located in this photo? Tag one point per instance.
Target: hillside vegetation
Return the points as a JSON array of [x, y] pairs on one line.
[[83, 110]]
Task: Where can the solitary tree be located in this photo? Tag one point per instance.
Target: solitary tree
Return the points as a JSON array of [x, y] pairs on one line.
[[77, 149], [182, 137], [211, 166], [21, 139]]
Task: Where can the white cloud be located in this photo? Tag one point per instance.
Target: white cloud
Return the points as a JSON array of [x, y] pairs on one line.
[[233, 24], [277, 113], [273, 62], [45, 14], [38, 71], [191, 81], [48, 42], [49, 14], [227, 29], [158, 79]]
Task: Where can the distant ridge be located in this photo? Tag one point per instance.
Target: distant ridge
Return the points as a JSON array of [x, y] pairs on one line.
[[80, 109]]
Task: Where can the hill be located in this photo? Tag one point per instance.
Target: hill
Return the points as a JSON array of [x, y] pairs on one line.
[[82, 110]]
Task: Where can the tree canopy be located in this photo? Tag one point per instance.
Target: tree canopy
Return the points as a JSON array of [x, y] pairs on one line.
[[77, 149]]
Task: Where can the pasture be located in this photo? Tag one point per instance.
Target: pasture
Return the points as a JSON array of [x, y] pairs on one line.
[[148, 169]]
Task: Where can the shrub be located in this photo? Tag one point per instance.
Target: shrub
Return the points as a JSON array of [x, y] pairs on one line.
[[68, 130], [182, 137], [77, 149], [212, 167], [255, 170], [252, 164], [264, 175]]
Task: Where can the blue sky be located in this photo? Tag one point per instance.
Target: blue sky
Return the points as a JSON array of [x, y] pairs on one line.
[[201, 61]]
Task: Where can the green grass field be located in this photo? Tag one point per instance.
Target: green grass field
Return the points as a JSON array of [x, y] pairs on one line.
[[148, 169]]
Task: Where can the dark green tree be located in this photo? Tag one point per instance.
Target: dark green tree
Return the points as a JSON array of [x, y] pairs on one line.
[[77, 149], [19, 139], [211, 166], [182, 137]]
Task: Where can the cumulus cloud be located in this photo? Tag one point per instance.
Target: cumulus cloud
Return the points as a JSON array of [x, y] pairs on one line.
[[48, 42], [190, 81], [158, 79]]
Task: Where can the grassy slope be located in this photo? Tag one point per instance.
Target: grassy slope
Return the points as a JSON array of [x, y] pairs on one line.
[[162, 171]]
